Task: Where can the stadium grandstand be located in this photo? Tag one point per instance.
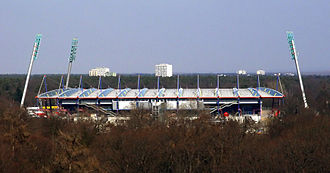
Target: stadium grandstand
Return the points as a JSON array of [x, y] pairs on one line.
[[230, 101]]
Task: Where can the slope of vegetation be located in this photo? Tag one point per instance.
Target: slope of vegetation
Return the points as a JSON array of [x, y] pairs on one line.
[[296, 143]]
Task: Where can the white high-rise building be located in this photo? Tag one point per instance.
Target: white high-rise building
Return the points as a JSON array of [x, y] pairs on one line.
[[101, 71], [163, 70]]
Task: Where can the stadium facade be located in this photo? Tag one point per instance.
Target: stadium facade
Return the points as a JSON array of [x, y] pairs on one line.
[[232, 101]]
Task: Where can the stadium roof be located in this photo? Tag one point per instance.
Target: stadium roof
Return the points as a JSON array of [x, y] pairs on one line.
[[145, 93]]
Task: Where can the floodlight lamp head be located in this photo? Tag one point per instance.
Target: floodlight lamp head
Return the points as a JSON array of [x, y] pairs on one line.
[[73, 49], [289, 35], [38, 37], [36, 46], [291, 44]]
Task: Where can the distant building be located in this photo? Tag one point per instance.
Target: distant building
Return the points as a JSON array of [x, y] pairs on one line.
[[289, 74], [261, 72], [163, 70], [241, 72], [101, 71]]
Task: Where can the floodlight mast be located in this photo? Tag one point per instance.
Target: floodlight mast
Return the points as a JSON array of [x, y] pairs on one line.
[[295, 58], [71, 59], [33, 57]]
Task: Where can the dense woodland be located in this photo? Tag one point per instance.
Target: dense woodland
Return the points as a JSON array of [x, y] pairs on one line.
[[299, 141]]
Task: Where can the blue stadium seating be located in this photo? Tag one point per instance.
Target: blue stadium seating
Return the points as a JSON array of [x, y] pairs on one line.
[[143, 92], [180, 92], [105, 92], [124, 92], [87, 92], [235, 92], [271, 92], [254, 92], [69, 92], [161, 92], [53, 93]]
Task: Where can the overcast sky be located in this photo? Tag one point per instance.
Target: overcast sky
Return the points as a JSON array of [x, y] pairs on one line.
[[131, 36]]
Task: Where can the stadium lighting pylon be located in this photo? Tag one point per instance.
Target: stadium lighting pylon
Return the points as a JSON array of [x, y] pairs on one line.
[[71, 59], [295, 58], [33, 57]]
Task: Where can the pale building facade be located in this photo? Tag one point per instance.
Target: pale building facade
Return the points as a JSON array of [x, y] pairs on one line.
[[101, 71], [163, 70]]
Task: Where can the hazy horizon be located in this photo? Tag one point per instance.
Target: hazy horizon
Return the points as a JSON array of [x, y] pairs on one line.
[[322, 73]]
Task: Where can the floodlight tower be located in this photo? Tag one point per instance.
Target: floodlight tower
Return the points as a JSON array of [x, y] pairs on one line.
[[71, 59], [33, 57], [295, 58]]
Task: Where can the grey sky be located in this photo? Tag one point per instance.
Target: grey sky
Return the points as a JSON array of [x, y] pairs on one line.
[[130, 36]]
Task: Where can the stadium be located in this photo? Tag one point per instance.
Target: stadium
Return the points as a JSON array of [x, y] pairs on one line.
[[110, 101]]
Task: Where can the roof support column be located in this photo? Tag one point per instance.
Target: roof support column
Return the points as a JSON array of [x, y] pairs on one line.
[[237, 81], [260, 106], [80, 82], [177, 104], [218, 99], [178, 87], [61, 83], [238, 107], [258, 82], [119, 83], [158, 83], [100, 83], [139, 82], [218, 105]]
